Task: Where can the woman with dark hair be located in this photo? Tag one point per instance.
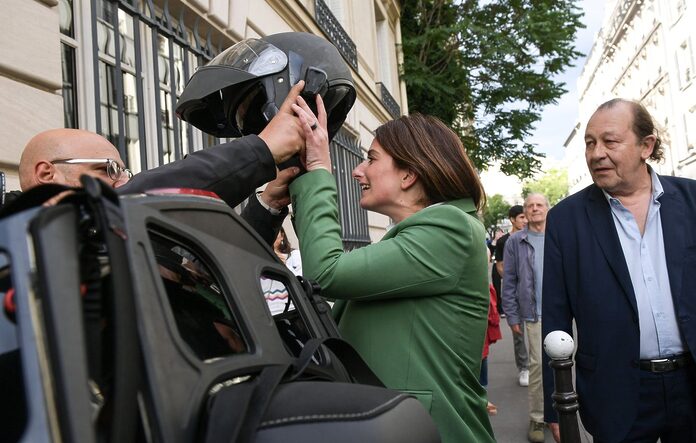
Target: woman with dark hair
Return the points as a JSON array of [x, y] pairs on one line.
[[415, 304], [286, 253]]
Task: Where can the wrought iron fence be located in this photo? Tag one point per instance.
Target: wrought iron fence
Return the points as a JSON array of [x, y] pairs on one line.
[[346, 154], [118, 28]]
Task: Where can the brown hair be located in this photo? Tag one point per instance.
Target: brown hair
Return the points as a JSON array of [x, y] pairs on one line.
[[425, 145], [285, 247], [643, 124]]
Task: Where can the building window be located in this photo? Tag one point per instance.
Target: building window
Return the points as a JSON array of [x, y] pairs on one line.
[[385, 50], [123, 81], [685, 63], [386, 63], [68, 62], [118, 79], [199, 305], [346, 154], [136, 58], [69, 92], [690, 129]]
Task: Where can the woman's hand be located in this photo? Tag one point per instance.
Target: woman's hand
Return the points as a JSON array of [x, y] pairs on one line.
[[316, 135]]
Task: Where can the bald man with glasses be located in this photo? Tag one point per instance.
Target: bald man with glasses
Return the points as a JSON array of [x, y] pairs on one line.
[[62, 155]]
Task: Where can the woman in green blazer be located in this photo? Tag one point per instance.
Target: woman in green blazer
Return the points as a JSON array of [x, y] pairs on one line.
[[415, 304]]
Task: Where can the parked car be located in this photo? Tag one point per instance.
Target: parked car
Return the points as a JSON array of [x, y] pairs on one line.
[[144, 318]]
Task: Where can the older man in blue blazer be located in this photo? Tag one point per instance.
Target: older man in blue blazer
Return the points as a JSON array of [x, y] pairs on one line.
[[620, 260]]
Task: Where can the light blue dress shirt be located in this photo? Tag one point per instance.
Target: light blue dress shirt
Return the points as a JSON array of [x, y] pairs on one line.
[[647, 265]]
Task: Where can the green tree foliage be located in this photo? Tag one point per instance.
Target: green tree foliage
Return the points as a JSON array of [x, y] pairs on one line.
[[553, 184], [495, 211], [486, 68]]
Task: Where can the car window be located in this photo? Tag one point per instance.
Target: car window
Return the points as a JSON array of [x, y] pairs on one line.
[[276, 294], [291, 325], [202, 313]]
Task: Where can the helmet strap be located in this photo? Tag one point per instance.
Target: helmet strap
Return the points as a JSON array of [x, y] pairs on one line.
[[274, 86], [212, 103]]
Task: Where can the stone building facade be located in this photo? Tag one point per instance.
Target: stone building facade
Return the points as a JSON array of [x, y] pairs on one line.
[[645, 51]]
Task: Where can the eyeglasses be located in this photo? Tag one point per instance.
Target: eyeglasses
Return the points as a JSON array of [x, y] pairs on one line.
[[114, 170]]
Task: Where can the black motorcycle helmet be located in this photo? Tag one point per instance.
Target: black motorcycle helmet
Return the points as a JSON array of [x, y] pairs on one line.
[[239, 91]]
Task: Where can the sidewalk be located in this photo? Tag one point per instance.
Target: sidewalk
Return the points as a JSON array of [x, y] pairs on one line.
[[512, 422]]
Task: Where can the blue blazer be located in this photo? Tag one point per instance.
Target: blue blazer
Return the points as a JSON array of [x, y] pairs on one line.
[[586, 279]]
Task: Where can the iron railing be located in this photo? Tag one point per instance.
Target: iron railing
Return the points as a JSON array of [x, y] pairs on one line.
[[335, 33], [172, 136], [388, 101], [346, 154]]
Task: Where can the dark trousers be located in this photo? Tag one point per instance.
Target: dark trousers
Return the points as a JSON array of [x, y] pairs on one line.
[[667, 408]]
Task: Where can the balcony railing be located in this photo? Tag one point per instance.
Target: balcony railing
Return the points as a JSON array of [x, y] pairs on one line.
[[336, 34], [621, 17], [388, 101]]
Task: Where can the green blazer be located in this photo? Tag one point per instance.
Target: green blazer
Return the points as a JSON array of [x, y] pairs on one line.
[[414, 305]]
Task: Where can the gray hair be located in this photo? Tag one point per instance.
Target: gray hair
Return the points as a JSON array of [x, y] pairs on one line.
[[536, 194]]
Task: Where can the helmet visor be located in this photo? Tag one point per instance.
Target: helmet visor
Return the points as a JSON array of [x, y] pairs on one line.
[[254, 56]]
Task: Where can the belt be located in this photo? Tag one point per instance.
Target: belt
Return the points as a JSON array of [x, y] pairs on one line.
[[666, 364]]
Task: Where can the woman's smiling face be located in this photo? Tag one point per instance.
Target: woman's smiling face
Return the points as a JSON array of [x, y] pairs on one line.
[[379, 179]]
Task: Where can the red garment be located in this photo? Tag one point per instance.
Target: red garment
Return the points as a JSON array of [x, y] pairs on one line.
[[493, 333]]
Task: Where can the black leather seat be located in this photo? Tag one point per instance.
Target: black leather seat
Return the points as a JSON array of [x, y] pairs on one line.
[[344, 413]]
